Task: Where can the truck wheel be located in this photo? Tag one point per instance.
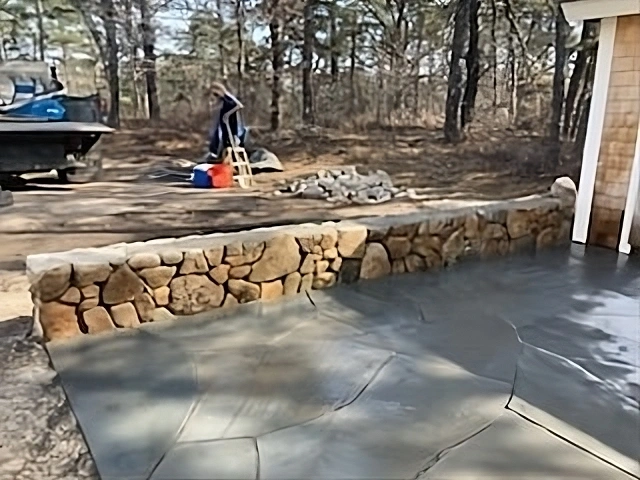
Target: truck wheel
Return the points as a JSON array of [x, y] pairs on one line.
[[91, 173]]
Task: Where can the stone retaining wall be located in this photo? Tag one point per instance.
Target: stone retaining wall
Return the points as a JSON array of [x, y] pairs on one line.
[[96, 290]]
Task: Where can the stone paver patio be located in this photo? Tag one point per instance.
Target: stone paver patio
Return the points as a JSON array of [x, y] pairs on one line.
[[524, 367]]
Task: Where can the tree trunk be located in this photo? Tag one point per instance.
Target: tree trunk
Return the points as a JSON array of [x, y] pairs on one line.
[[40, 23], [112, 67], [589, 32], [473, 65], [148, 48], [454, 90], [221, 48], [333, 47], [353, 56], [133, 57], [494, 53], [579, 131], [307, 59], [557, 100], [240, 19], [277, 64]]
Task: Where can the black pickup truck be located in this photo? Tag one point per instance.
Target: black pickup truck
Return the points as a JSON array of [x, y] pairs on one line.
[[44, 129]]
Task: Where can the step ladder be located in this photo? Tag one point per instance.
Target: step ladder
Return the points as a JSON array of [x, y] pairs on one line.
[[236, 156]]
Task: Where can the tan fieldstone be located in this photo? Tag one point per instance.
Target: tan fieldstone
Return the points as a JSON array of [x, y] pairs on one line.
[[159, 276], [331, 253], [58, 321], [53, 283], [352, 241], [415, 263], [281, 257], [408, 230], [123, 285], [336, 264], [565, 189], [244, 291], [377, 234], [494, 246], [433, 260], [423, 245], [84, 274], [145, 305], [547, 238], [171, 257], [329, 239], [240, 272], [472, 226], [234, 249], [564, 234], [144, 260], [306, 284], [98, 320], [71, 296], [292, 283], [90, 291], [162, 314], [271, 290], [220, 274], [495, 231], [214, 256], [162, 296], [518, 223], [324, 280], [375, 263], [398, 247], [321, 266], [194, 262], [453, 247], [398, 267], [251, 252], [194, 294], [307, 244], [88, 304], [125, 315], [230, 301], [440, 226], [309, 263]]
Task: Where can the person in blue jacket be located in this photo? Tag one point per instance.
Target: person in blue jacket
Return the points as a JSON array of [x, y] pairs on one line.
[[228, 108]]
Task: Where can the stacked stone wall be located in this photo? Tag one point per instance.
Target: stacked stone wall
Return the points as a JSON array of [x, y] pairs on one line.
[[120, 287]]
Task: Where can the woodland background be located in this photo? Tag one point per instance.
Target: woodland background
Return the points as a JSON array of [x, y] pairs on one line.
[[348, 64]]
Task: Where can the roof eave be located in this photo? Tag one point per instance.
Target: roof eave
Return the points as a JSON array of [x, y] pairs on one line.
[[596, 9]]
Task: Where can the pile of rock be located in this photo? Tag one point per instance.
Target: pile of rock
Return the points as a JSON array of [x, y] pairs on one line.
[[345, 186]]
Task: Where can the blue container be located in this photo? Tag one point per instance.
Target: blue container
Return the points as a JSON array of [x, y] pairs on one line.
[[48, 108], [200, 176]]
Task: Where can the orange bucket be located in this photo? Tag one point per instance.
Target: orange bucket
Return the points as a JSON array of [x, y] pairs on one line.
[[221, 176]]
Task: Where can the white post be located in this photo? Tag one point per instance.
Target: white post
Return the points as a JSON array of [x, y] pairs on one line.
[[594, 129], [632, 200]]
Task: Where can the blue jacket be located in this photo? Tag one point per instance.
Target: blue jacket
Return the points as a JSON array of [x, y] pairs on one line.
[[219, 137]]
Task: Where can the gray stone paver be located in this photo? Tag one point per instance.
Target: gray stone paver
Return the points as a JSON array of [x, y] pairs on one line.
[[512, 368]]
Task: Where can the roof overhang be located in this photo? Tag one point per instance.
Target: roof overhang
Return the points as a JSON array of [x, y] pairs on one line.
[[596, 9]]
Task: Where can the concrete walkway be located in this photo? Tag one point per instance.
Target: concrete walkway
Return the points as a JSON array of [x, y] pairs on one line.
[[510, 369]]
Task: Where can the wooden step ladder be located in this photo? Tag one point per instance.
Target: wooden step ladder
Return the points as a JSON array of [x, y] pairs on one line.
[[236, 156]]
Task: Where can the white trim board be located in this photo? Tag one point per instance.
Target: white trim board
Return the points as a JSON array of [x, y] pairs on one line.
[[596, 9], [594, 130], [632, 200]]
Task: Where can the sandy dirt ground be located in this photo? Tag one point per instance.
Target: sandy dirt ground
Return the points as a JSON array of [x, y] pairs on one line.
[[129, 205]]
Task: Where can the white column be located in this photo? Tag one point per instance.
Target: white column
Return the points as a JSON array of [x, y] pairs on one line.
[[632, 200], [594, 129]]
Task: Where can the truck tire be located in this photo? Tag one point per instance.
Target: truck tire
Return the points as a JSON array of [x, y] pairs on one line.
[[91, 173]]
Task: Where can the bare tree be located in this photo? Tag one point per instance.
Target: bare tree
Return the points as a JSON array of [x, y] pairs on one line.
[[454, 91]]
